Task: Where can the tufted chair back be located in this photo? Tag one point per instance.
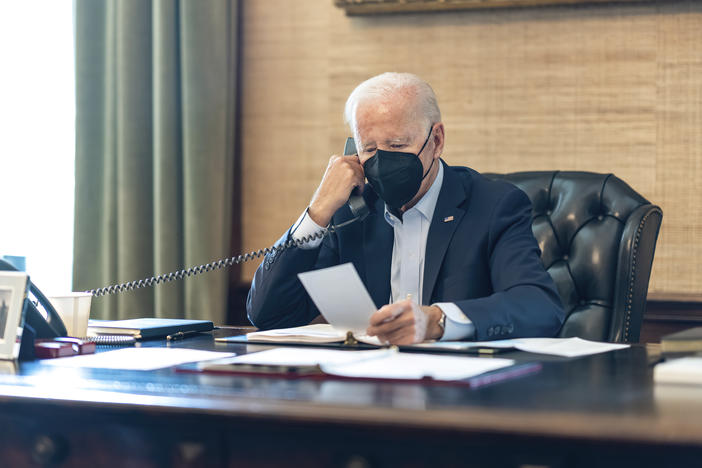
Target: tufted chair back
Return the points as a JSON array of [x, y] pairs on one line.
[[597, 238]]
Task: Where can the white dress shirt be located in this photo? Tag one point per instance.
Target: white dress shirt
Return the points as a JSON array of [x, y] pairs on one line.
[[408, 253]]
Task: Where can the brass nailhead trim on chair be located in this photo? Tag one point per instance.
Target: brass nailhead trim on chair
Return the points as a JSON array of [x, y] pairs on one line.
[[629, 298]]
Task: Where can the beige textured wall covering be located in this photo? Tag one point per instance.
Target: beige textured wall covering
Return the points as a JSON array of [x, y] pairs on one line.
[[606, 88]]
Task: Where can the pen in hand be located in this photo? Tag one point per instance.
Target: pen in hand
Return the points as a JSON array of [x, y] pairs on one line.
[[398, 312], [180, 335]]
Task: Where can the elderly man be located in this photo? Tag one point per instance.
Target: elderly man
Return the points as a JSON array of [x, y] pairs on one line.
[[446, 254]]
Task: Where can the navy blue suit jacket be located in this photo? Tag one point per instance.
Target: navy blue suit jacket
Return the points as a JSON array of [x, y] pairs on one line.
[[485, 260]]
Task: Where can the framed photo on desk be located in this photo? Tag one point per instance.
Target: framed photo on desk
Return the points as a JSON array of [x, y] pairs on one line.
[[13, 291]]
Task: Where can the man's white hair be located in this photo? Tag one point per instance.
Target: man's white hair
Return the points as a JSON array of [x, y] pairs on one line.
[[389, 84]]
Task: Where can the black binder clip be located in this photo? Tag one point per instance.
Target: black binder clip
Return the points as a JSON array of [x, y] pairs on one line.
[[350, 339]]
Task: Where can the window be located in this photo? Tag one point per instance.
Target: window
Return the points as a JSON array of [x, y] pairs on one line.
[[37, 130]]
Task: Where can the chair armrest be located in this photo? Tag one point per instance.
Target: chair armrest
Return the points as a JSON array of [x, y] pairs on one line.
[[636, 252]]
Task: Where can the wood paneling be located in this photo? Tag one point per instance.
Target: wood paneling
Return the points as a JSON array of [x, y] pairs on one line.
[[606, 88], [664, 317]]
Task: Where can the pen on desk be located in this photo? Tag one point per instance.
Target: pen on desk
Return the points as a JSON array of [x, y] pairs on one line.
[[180, 335]]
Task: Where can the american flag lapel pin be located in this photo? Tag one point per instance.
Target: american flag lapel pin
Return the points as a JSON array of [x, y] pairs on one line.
[[448, 219]]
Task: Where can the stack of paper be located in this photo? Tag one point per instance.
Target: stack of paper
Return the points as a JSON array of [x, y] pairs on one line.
[[318, 333]]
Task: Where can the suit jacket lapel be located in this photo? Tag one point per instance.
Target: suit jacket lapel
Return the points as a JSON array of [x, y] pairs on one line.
[[378, 240], [447, 216]]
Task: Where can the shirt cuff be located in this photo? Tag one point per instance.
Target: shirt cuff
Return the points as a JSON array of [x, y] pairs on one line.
[[457, 326], [305, 227]]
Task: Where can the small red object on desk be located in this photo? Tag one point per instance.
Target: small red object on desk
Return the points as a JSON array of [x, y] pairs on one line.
[[82, 346], [53, 349], [62, 346]]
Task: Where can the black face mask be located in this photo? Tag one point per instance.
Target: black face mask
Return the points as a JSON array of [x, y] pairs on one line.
[[396, 176]]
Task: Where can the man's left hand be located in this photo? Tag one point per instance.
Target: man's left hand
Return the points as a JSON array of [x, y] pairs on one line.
[[405, 322]]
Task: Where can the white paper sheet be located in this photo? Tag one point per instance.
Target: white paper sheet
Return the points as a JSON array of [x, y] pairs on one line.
[[305, 356], [340, 296], [137, 358], [381, 363], [566, 347], [417, 366]]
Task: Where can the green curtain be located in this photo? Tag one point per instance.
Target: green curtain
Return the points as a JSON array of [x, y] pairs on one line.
[[155, 109]]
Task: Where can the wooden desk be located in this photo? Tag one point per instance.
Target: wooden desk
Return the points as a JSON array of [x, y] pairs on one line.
[[596, 411]]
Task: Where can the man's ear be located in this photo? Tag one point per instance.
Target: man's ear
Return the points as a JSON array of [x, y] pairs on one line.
[[439, 138]]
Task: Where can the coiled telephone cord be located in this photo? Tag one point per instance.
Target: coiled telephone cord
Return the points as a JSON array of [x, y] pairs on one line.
[[216, 265]]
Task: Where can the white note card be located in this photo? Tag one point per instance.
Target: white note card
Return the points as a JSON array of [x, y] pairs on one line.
[[340, 296]]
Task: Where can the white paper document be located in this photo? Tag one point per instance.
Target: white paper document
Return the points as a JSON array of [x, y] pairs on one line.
[[340, 296], [417, 366], [566, 347], [375, 364], [305, 357], [137, 358], [686, 370]]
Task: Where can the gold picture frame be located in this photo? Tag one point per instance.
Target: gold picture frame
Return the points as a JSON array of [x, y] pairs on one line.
[[369, 7]]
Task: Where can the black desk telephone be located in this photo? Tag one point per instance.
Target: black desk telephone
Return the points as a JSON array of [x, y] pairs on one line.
[[44, 322], [39, 314]]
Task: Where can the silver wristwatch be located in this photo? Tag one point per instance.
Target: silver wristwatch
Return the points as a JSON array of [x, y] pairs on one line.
[[442, 323]]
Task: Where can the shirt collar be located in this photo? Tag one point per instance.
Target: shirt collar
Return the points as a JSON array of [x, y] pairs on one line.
[[426, 204]]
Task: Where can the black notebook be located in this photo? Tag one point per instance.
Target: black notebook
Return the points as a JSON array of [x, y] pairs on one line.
[[147, 327]]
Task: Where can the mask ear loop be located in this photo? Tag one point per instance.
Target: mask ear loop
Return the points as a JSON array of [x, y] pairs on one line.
[[431, 130], [430, 165]]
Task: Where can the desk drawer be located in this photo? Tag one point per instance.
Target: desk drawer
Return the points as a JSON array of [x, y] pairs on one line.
[[83, 438]]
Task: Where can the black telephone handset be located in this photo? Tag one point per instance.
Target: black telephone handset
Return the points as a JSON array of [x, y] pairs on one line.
[[357, 203], [45, 324]]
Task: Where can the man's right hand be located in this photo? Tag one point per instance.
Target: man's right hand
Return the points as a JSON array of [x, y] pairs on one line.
[[342, 175]]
